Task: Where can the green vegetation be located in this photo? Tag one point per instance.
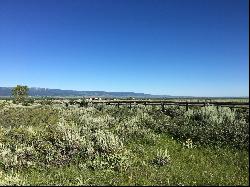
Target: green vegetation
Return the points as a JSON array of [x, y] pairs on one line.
[[20, 93], [58, 145]]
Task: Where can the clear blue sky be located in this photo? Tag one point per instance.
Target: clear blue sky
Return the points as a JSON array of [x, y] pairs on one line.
[[175, 47]]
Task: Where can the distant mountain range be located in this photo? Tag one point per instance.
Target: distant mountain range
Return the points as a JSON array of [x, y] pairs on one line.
[[46, 92], [43, 92]]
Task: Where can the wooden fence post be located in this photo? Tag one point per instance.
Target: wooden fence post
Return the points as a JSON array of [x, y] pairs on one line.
[[186, 106], [162, 107]]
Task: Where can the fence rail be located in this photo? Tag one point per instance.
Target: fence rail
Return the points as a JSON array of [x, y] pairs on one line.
[[177, 103]]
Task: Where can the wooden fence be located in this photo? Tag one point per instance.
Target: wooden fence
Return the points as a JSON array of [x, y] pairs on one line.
[[164, 103]]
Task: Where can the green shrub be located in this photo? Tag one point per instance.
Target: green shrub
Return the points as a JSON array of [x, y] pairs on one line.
[[83, 103], [209, 126], [46, 102]]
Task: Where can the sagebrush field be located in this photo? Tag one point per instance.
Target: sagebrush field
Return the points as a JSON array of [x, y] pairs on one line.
[[106, 145]]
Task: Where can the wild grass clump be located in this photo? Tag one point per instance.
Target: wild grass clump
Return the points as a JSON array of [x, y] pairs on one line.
[[162, 157], [12, 179]]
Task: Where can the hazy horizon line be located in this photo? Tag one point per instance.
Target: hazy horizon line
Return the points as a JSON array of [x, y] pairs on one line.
[[127, 92]]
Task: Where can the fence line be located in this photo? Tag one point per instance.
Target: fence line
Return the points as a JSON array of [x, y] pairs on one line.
[[164, 103]]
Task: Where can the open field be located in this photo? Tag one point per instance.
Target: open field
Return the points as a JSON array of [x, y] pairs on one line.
[[105, 145]]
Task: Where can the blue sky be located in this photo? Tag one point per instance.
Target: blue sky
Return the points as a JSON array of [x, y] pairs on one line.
[[174, 47]]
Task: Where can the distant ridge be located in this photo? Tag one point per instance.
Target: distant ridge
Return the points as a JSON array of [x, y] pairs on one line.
[[43, 92], [47, 92]]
